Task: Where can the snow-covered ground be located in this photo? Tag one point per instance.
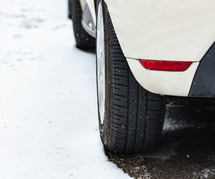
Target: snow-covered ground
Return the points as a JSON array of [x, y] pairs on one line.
[[48, 113]]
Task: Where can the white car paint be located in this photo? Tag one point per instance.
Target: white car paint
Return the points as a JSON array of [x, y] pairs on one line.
[[175, 30], [161, 82], [168, 30]]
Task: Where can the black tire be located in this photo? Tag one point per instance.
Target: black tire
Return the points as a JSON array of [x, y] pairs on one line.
[[70, 9], [83, 40], [133, 117]]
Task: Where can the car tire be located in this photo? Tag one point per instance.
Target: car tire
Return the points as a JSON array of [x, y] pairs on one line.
[[83, 40], [130, 118]]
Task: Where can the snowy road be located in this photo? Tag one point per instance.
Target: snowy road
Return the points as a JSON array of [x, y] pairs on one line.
[[48, 117], [48, 113]]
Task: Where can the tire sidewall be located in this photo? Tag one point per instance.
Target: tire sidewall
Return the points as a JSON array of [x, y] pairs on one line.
[[102, 127]]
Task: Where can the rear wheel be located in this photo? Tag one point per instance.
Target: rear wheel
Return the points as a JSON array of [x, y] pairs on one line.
[[130, 117], [83, 39]]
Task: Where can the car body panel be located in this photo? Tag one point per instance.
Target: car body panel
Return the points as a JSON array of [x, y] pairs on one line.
[[175, 30], [168, 30], [161, 82]]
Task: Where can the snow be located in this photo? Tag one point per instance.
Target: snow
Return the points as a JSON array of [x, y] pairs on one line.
[[206, 173], [48, 111]]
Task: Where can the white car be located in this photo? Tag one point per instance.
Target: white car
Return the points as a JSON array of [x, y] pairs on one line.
[[146, 50]]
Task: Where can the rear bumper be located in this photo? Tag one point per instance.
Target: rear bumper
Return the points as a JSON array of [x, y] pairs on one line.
[[163, 82], [204, 81], [197, 81]]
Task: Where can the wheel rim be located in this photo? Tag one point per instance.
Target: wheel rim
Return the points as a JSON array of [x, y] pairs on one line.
[[100, 52]]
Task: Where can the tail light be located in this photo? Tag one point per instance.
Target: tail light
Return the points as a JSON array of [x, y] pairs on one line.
[[165, 65]]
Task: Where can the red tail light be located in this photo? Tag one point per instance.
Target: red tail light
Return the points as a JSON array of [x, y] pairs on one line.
[[165, 65]]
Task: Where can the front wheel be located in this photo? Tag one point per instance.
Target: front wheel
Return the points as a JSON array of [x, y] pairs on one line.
[[83, 39], [130, 117]]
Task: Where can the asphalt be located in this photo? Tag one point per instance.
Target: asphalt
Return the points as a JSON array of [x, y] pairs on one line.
[[187, 147]]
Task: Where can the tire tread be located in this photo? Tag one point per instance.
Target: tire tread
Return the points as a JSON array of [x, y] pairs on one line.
[[134, 115]]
